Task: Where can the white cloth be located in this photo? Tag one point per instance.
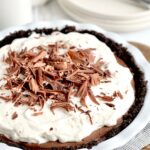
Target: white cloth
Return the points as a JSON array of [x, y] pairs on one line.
[[140, 141]]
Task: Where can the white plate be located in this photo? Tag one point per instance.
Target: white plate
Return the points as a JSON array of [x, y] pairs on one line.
[[143, 117], [120, 26], [115, 15], [113, 9]]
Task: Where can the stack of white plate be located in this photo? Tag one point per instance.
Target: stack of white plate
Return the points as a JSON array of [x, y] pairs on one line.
[[114, 15]]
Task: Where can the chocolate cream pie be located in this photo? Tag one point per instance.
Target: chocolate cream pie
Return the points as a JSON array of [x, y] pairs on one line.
[[66, 89]]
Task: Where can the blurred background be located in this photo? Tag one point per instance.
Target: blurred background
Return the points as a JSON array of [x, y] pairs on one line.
[[130, 18]]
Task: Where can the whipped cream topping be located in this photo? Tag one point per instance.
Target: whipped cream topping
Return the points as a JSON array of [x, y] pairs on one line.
[[67, 126]]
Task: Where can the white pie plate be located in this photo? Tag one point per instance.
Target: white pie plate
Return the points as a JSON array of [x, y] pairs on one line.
[[113, 15], [143, 117]]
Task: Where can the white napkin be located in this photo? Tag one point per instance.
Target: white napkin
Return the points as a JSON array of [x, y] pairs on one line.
[[141, 140]]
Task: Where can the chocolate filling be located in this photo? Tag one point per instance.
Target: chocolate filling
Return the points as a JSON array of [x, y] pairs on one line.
[[140, 91]]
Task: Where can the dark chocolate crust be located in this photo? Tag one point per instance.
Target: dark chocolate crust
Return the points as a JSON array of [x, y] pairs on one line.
[[119, 51]]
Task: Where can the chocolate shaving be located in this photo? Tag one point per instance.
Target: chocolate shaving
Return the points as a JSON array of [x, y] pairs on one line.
[[39, 64], [69, 93], [81, 56], [41, 74], [37, 113], [39, 77], [110, 98], [39, 56], [51, 129], [60, 65], [95, 79], [83, 101], [90, 93], [6, 98], [79, 108], [118, 94], [64, 105], [82, 92], [90, 118], [110, 105], [107, 81], [33, 85], [86, 112], [105, 97], [14, 116]]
